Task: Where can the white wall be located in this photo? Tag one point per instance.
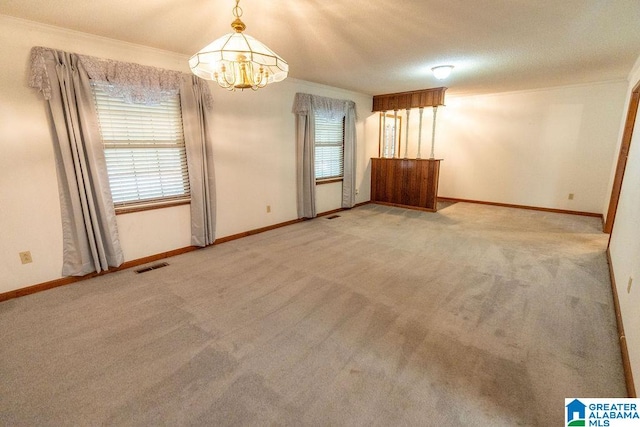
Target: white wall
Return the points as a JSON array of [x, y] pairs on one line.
[[254, 150], [529, 148], [526, 148], [255, 155], [625, 243]]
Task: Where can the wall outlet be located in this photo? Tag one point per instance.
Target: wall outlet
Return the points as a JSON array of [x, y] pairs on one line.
[[570, 196], [25, 257], [357, 191], [629, 284], [268, 208]]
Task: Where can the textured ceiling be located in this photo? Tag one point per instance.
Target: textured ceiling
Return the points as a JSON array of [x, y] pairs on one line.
[[375, 46]]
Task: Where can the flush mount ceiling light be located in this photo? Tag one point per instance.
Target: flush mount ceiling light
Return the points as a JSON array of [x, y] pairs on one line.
[[441, 72], [238, 61]]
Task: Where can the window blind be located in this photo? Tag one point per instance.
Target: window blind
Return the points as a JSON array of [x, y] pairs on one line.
[[329, 143], [144, 149]]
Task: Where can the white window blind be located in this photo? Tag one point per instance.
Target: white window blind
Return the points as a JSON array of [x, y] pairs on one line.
[[144, 150], [329, 146]]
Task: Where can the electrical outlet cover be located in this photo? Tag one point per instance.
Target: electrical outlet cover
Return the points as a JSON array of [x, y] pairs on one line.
[[25, 257]]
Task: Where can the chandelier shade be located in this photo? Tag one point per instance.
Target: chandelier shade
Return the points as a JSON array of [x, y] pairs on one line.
[[238, 61], [441, 72]]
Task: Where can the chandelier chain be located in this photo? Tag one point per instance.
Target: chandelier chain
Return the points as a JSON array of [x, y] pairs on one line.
[[237, 10]]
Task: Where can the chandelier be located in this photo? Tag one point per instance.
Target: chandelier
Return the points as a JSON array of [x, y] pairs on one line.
[[238, 61]]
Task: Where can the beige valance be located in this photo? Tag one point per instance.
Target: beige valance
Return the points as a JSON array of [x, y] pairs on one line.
[[135, 83]]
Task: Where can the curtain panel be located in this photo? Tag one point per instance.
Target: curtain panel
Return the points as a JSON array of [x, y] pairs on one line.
[[305, 108], [90, 236], [89, 230], [196, 105]]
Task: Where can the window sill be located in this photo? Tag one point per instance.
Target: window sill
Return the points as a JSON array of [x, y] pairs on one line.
[[147, 207], [329, 181]]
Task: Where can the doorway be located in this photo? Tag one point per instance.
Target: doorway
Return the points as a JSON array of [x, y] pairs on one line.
[[632, 112]]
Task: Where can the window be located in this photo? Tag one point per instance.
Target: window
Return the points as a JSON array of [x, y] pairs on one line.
[[144, 150], [329, 147]]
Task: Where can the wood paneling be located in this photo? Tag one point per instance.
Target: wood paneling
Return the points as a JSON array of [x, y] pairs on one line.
[[405, 182], [409, 100]]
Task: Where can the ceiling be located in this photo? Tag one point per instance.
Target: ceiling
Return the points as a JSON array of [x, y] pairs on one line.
[[375, 47]]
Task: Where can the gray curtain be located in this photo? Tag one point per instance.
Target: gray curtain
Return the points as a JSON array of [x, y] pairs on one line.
[[305, 165], [349, 180], [305, 107], [196, 105], [90, 235]]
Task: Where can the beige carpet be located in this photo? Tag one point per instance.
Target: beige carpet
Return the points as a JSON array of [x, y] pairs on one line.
[[472, 316]]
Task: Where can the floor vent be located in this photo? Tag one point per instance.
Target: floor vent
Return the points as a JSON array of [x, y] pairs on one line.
[[333, 217], [152, 267]]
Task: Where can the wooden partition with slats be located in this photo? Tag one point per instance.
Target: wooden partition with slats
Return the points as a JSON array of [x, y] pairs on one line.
[[410, 183]]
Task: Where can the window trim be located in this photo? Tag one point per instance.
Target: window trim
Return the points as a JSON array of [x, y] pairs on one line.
[[321, 181], [140, 207]]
